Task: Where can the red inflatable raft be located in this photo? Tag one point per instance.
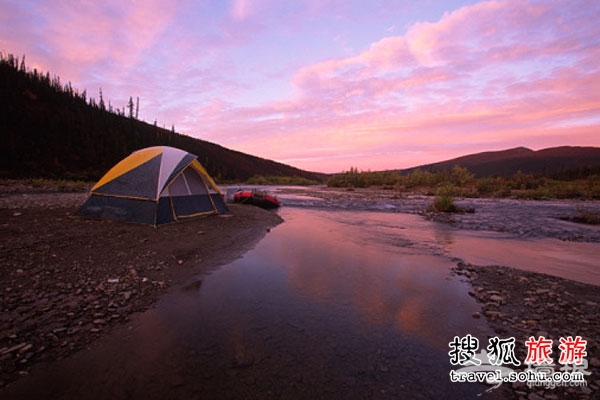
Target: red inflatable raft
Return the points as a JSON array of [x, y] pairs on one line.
[[257, 198]]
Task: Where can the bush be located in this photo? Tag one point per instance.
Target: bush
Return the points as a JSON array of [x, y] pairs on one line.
[[280, 180], [586, 216], [444, 199], [488, 186], [257, 180]]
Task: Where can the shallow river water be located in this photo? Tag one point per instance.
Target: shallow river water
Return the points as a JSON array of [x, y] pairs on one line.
[[328, 305], [331, 304]]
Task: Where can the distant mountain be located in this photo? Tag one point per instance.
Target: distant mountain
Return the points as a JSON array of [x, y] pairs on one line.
[[50, 130], [559, 162]]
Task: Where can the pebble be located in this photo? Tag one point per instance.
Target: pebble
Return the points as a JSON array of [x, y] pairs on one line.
[[492, 314], [26, 348], [177, 381], [534, 396], [12, 349], [586, 390]]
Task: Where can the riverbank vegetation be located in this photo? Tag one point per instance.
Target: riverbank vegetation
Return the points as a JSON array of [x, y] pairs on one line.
[[465, 184], [281, 180], [40, 185]]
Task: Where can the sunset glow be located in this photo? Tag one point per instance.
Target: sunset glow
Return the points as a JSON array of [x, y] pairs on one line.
[[326, 85]]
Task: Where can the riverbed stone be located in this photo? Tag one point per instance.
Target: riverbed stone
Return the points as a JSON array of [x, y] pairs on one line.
[[534, 396]]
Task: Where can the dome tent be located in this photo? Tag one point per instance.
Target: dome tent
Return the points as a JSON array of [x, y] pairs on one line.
[[155, 185]]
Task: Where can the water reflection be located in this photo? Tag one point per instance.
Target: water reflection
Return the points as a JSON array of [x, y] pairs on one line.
[[329, 305], [359, 260], [570, 260]]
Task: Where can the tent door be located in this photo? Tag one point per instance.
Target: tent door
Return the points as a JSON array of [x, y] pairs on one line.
[[189, 195]]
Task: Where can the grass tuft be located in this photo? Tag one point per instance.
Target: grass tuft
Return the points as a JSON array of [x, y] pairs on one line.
[[444, 199]]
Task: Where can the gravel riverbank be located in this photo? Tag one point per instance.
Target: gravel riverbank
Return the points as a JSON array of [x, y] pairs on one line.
[[522, 304]]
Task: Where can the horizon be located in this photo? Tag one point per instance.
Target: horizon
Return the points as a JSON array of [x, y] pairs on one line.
[[326, 86]]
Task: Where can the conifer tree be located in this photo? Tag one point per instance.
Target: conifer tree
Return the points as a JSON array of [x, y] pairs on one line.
[[101, 103], [130, 107]]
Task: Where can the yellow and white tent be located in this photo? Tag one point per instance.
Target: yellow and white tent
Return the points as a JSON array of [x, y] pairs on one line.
[[155, 185]]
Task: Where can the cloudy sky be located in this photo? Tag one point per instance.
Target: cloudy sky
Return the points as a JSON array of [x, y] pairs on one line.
[[324, 85]]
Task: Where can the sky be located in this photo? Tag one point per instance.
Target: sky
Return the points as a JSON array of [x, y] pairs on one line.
[[325, 85]]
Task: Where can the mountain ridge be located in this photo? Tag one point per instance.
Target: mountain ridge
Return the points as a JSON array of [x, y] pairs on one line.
[[561, 161]]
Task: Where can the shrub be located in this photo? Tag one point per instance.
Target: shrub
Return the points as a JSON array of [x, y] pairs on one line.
[[444, 199], [257, 180], [462, 176], [488, 186], [586, 216]]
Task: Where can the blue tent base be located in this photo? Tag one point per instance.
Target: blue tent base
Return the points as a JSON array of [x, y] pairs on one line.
[[163, 211]]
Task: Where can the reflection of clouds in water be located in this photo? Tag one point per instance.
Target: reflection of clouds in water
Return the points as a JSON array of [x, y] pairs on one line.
[[569, 260], [343, 258], [519, 234]]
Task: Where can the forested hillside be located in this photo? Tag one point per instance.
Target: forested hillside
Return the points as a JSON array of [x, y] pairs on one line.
[[48, 129]]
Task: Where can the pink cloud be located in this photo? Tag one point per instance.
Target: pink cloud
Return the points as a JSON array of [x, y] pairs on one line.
[[112, 33], [482, 73]]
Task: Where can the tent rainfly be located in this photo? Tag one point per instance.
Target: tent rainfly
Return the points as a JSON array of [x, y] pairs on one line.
[[155, 185]]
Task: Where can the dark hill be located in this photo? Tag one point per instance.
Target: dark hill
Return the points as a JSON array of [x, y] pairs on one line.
[[50, 130], [564, 162]]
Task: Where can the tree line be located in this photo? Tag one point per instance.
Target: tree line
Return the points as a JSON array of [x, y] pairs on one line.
[[49, 129], [459, 181]]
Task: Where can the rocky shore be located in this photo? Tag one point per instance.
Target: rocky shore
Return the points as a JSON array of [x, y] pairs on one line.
[[65, 281], [522, 304]]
